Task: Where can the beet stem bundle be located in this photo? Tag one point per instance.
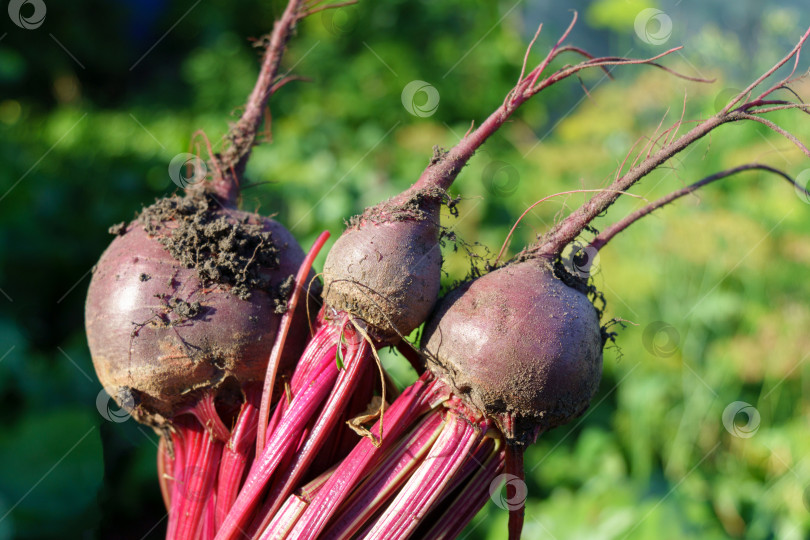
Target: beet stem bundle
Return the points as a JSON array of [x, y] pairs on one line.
[[504, 357]]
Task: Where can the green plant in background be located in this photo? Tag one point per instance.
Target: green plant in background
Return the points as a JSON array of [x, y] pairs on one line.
[[714, 289]]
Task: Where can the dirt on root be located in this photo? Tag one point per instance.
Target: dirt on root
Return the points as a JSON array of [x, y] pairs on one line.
[[417, 207], [118, 229], [284, 292], [585, 286], [223, 250]]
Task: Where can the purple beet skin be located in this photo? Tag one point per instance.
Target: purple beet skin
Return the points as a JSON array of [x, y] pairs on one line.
[[193, 306]]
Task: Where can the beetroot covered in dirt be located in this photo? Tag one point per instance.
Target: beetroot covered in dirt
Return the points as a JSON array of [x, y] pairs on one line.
[[187, 300], [188, 297], [520, 345], [386, 267]]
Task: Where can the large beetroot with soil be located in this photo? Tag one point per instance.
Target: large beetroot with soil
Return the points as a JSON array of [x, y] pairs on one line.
[[188, 297], [520, 345], [187, 306]]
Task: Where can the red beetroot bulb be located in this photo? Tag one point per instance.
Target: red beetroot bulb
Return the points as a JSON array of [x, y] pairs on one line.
[[386, 267], [520, 345], [188, 298]]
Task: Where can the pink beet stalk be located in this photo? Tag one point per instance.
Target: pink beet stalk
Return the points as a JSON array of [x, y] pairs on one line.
[[165, 467], [357, 356], [236, 456], [280, 343], [415, 499], [387, 478], [208, 525], [289, 432], [286, 517], [414, 401], [194, 481], [470, 499], [471, 463]]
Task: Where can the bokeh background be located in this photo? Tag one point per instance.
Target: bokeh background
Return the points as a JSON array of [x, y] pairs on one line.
[[98, 97]]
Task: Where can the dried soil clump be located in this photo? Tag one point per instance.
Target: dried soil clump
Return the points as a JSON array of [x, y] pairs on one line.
[[417, 207], [222, 249]]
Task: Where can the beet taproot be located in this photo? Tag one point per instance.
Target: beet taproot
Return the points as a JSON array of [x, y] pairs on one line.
[[188, 297], [386, 267], [520, 345]]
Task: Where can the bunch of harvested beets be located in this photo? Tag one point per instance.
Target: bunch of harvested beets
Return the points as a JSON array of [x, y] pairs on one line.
[[277, 418]]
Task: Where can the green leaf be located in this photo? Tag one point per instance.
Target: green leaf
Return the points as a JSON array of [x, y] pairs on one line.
[[339, 352]]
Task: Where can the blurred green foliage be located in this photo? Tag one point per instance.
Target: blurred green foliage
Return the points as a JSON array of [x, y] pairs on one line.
[[96, 102]]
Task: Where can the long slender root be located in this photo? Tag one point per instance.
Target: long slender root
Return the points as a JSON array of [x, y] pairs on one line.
[[609, 233]]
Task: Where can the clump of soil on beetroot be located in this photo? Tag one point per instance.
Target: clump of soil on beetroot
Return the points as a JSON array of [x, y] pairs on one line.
[[221, 250], [118, 229], [411, 209], [183, 309], [284, 291]]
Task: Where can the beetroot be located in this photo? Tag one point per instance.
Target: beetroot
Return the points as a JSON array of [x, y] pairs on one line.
[[183, 313], [188, 297], [203, 283], [520, 345], [386, 268]]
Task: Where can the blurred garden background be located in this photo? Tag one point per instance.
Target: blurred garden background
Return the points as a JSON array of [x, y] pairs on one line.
[[98, 97]]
